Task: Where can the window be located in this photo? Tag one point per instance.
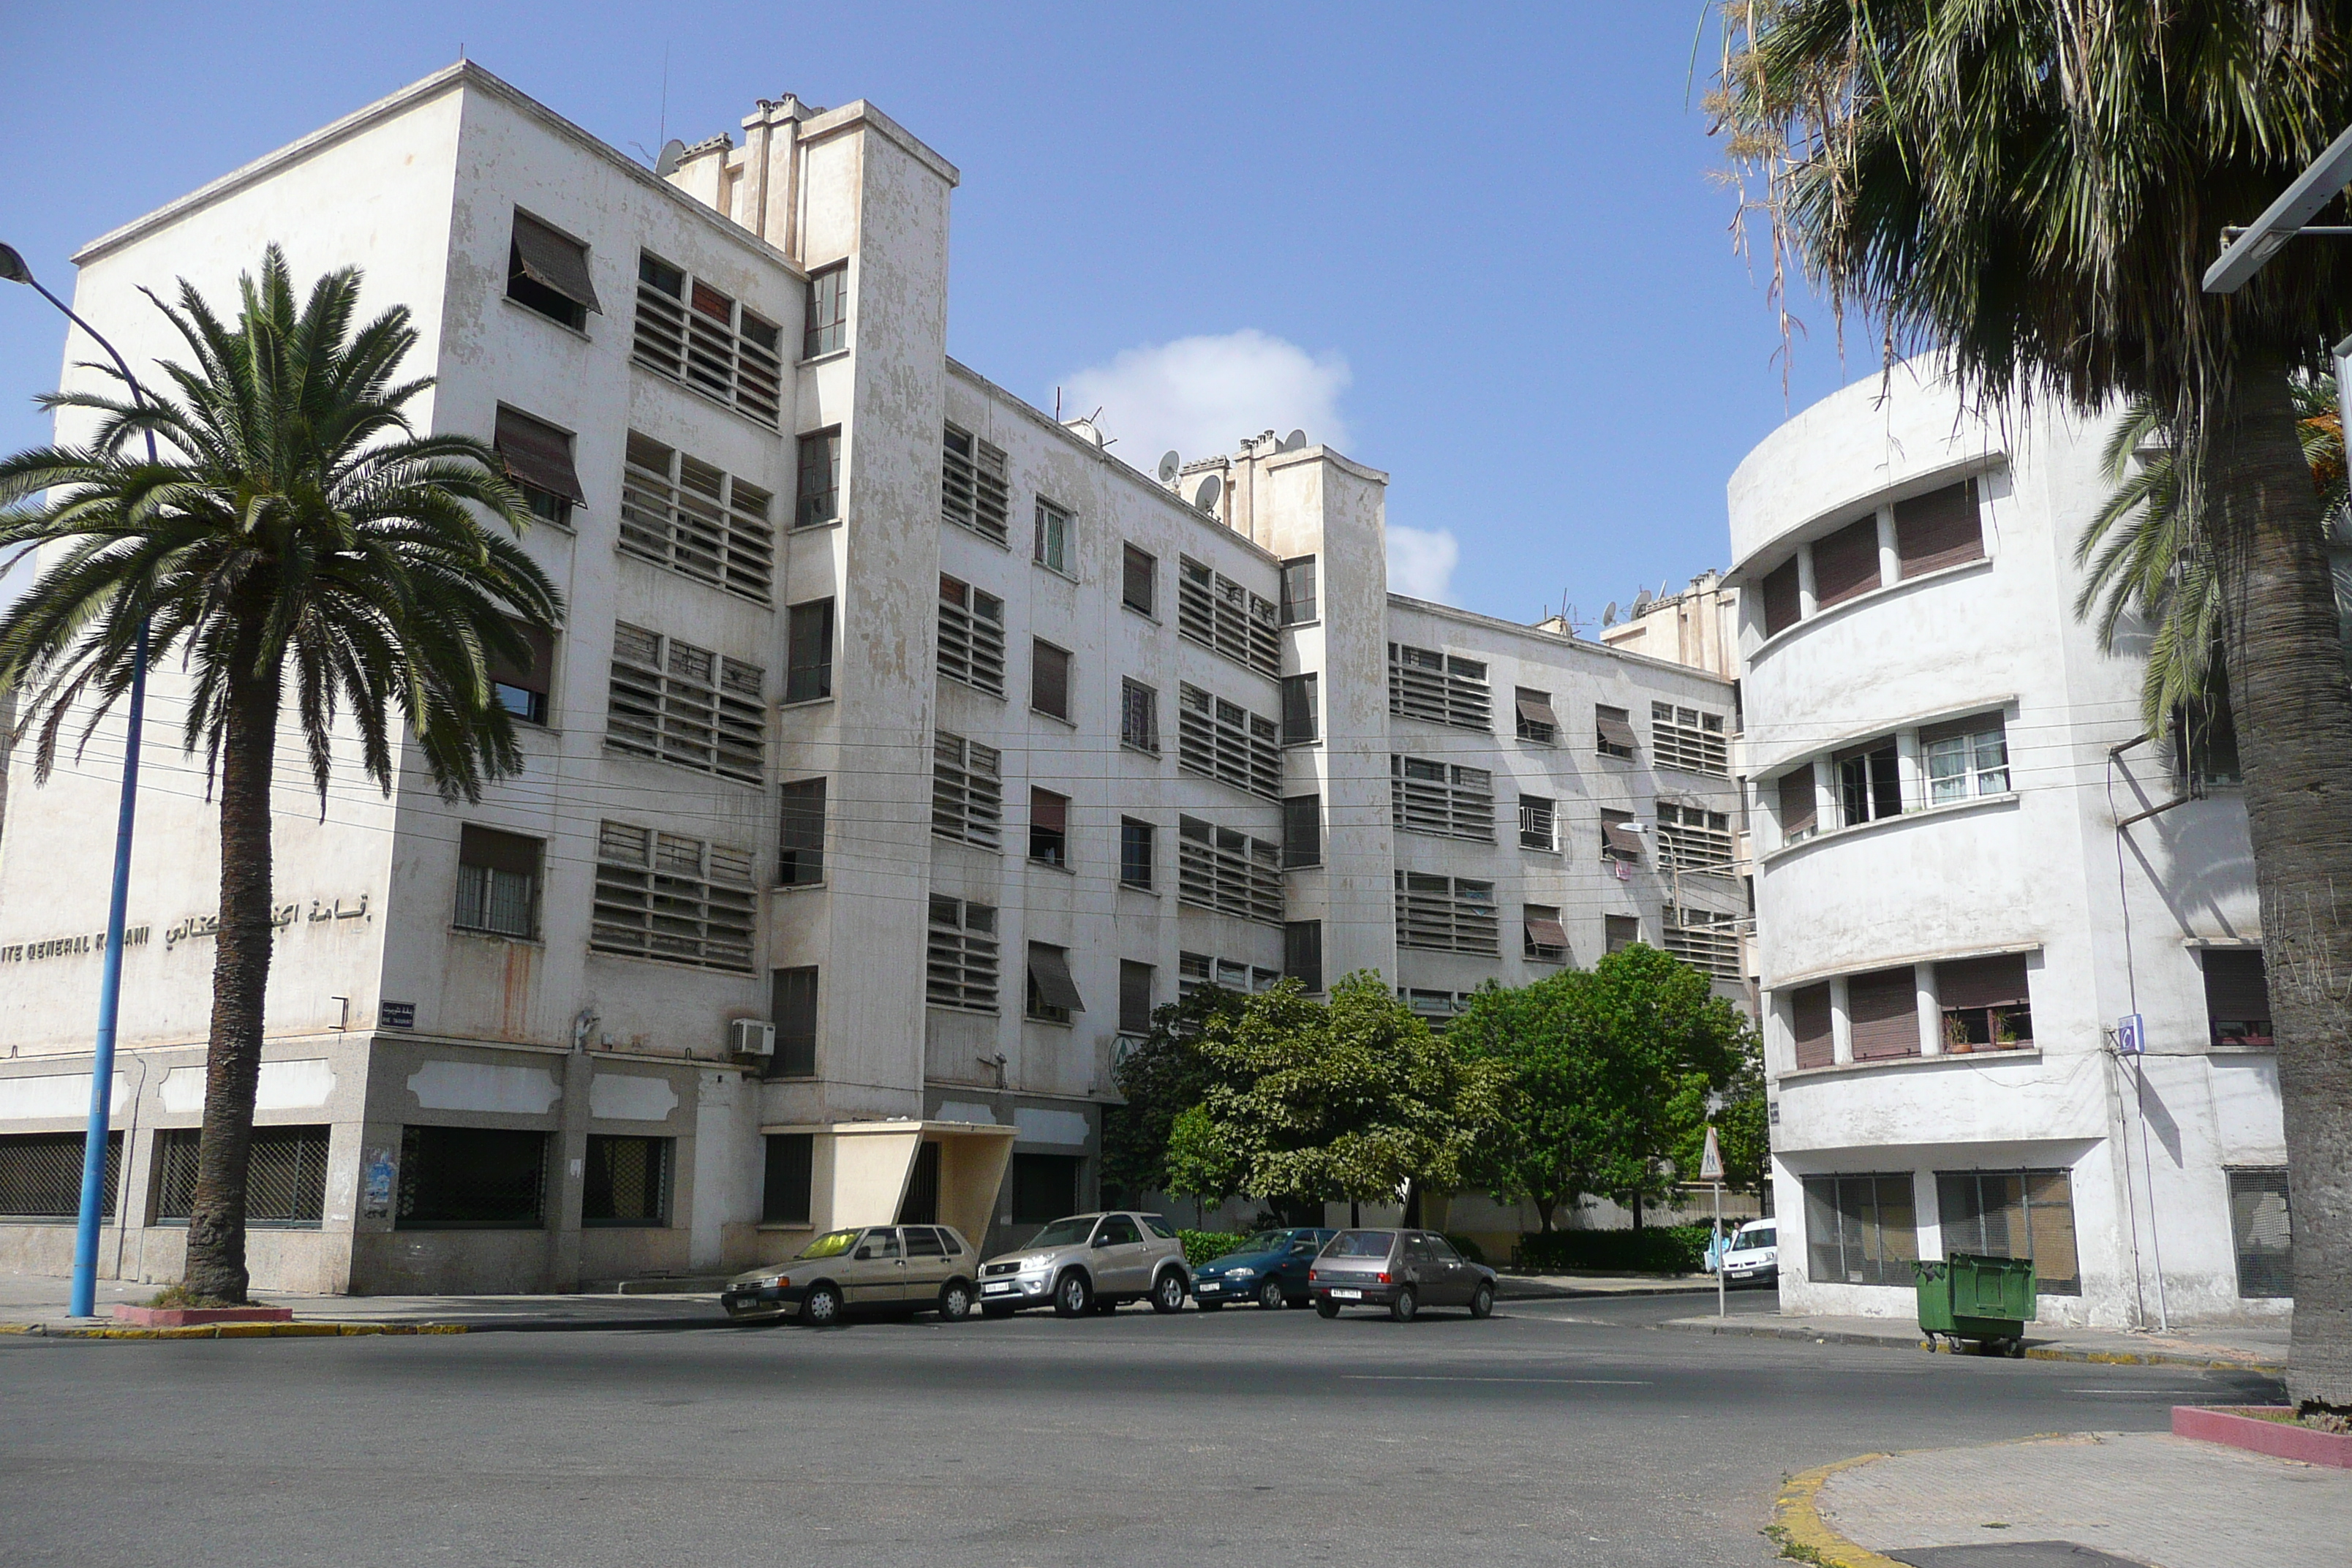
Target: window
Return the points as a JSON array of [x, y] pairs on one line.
[[1134, 997], [677, 703], [498, 882], [799, 842], [1302, 831], [624, 1181], [1538, 823], [1620, 931], [2013, 1214], [973, 492], [1861, 1230], [1546, 938], [1302, 954], [960, 966], [684, 514], [1056, 550], [548, 272], [967, 791], [1984, 1003], [1222, 869], [826, 329], [1799, 808], [1446, 801], [1938, 529], [660, 895], [1447, 914], [1870, 782], [1538, 722], [1783, 598], [1049, 679], [972, 636], [2262, 1227], [471, 1178], [791, 1007], [1965, 758], [1139, 717], [820, 479], [1049, 827], [1439, 687], [1053, 995], [1845, 563], [1194, 970], [703, 339], [1436, 1008], [1045, 1187], [1687, 738], [1614, 733], [1693, 839], [522, 688], [1299, 595], [1226, 741], [1137, 850], [1301, 710], [1621, 837], [809, 678], [285, 1176], [1138, 583], [539, 459], [790, 1165], [2205, 741], [1882, 1009], [2237, 996], [1811, 1023], [40, 1174], [1706, 940], [1219, 614]]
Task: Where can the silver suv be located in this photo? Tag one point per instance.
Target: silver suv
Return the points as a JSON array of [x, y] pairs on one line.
[[1090, 1262]]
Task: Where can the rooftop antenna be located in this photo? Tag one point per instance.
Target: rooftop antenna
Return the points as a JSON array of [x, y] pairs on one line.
[[1171, 464], [662, 132]]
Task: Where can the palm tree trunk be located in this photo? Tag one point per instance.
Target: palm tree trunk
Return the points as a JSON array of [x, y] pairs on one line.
[[2293, 713], [215, 1265]]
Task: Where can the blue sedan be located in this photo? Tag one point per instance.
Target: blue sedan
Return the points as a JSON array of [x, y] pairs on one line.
[[1269, 1269]]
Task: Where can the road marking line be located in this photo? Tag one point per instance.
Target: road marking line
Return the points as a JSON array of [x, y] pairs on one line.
[[1408, 1377]]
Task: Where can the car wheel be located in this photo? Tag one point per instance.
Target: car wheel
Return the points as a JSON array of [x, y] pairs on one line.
[[990, 1310], [1269, 1295], [821, 1308], [1073, 1296], [1406, 1306], [1326, 1309], [1482, 1304], [1168, 1292], [955, 1301]]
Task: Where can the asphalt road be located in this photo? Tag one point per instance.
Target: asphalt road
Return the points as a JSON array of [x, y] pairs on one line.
[[1559, 1432]]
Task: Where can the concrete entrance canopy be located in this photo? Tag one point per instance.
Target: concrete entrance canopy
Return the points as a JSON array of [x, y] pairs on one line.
[[863, 1169]]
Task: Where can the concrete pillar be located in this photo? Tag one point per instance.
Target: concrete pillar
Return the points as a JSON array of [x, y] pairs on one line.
[[1809, 602], [1931, 1011], [567, 1180], [1910, 770], [1829, 810], [1841, 1023], [1890, 558]]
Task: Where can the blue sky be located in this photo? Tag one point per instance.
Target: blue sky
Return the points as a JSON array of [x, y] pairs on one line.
[[1481, 245]]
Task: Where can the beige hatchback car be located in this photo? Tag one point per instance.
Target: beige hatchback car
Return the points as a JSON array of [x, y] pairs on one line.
[[875, 1269]]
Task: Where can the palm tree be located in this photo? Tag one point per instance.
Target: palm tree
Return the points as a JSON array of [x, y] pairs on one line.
[[2037, 190], [301, 543]]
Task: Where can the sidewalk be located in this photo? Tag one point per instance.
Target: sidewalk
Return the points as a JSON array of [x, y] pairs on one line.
[[2140, 1497], [37, 1302], [2248, 1347], [1568, 1286]]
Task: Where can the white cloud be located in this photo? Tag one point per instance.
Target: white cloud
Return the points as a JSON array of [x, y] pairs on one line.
[[1201, 395], [1422, 561]]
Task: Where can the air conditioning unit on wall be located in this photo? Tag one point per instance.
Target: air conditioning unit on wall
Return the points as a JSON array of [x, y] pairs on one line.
[[751, 1038]]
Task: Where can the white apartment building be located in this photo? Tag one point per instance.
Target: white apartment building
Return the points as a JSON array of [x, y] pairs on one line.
[[1971, 866], [902, 749]]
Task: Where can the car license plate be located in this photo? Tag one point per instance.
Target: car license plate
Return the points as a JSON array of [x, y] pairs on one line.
[[1207, 1287], [1347, 1295], [1001, 1288]]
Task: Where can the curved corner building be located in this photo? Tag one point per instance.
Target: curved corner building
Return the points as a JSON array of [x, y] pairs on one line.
[[1971, 868]]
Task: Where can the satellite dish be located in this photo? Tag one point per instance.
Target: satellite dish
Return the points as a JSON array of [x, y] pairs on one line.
[[1170, 463], [673, 154], [1641, 600], [1291, 442], [1205, 498], [1609, 616], [1086, 431]]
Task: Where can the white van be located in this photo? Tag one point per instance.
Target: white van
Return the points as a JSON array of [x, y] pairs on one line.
[[1754, 1255]]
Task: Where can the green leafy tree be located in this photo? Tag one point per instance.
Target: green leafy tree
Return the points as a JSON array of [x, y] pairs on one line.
[[1163, 1076], [1201, 1164], [2036, 191], [300, 547]]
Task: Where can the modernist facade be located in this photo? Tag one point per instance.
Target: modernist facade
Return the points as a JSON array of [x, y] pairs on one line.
[[1971, 867], [902, 748]]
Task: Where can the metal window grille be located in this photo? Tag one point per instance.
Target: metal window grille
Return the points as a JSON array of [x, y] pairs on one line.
[[502, 903], [1219, 614], [1706, 940], [696, 521], [285, 1175], [793, 1008], [826, 329], [471, 1178], [40, 1174], [1137, 846], [2262, 1227], [1230, 873], [1138, 716], [800, 838], [1447, 914], [967, 791], [961, 962], [1860, 1229], [2013, 1214], [677, 703], [659, 895], [1226, 741], [704, 339], [1687, 738], [972, 636], [974, 492], [1693, 839], [1054, 545], [625, 1180], [1448, 801], [1439, 687], [818, 499], [1538, 823], [1302, 831]]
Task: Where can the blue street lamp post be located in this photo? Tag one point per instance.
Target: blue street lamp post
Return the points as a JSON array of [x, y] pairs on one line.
[[109, 989]]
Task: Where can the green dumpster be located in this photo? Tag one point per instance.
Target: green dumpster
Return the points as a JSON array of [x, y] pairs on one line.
[[1969, 1297]]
